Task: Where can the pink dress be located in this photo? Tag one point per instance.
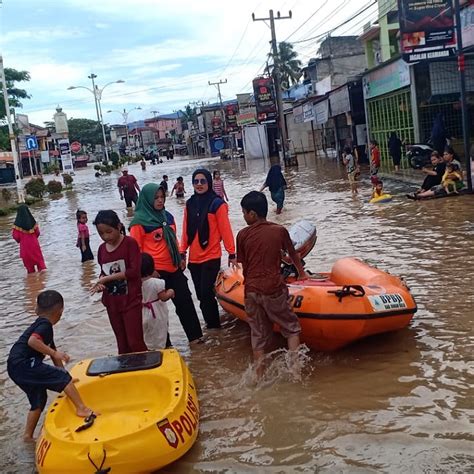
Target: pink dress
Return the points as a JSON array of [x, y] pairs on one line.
[[30, 250]]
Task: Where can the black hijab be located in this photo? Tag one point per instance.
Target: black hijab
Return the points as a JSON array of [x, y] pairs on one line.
[[275, 179], [197, 207]]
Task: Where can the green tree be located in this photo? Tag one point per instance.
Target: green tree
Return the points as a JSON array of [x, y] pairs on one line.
[[15, 95], [290, 65], [86, 131]]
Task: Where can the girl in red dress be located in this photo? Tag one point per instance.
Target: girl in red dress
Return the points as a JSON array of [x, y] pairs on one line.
[[26, 232], [120, 282]]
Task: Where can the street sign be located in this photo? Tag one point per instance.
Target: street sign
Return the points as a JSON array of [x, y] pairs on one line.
[[31, 142], [76, 147]]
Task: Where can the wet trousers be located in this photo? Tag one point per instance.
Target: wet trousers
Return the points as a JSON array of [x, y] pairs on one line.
[[204, 278], [128, 329], [278, 197], [87, 253], [183, 303]]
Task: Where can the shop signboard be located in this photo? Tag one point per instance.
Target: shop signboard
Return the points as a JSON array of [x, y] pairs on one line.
[[264, 99], [386, 79], [247, 116], [231, 112], [65, 153], [298, 114], [426, 29], [339, 101], [321, 112], [308, 112], [467, 24]]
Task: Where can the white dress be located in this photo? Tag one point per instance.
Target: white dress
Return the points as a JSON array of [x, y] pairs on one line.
[[154, 314]]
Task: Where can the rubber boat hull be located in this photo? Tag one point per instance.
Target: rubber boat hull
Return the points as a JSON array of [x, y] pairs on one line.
[[373, 302], [148, 418]]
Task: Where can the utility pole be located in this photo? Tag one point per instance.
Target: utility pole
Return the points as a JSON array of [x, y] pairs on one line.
[[19, 185], [463, 96], [276, 77], [218, 85]]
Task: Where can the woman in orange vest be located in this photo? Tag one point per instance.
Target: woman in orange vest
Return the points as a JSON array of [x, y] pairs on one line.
[[154, 229], [205, 225]]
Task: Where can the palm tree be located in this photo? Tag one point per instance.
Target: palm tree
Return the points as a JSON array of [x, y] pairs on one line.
[[290, 65]]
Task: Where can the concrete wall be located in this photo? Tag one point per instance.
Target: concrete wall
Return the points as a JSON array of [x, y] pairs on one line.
[[300, 134]]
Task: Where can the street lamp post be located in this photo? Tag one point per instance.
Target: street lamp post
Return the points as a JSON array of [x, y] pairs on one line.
[[19, 185], [155, 113], [124, 115], [97, 93]]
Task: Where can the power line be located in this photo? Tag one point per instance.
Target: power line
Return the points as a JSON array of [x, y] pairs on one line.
[[306, 21], [336, 27]]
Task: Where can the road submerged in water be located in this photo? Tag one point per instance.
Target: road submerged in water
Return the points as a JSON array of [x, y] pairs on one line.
[[399, 402]]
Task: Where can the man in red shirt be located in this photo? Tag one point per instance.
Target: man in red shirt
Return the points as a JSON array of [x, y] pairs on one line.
[[128, 188], [259, 249]]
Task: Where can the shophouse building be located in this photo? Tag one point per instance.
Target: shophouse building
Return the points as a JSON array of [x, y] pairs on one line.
[[406, 98]]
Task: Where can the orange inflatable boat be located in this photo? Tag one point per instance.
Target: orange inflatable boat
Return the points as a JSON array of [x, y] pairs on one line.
[[351, 302]]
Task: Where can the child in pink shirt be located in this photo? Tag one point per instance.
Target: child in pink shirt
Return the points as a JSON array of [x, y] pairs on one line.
[[83, 236]]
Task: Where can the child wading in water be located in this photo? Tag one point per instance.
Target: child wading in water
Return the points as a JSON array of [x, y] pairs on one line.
[[120, 282], [218, 185], [351, 167], [26, 367], [155, 310], [179, 187], [378, 189], [83, 236], [26, 232], [259, 248]]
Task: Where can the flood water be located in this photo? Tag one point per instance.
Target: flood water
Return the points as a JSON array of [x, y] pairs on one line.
[[394, 403]]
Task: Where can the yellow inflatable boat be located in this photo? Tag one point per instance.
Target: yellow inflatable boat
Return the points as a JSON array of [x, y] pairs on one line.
[[382, 198], [149, 417]]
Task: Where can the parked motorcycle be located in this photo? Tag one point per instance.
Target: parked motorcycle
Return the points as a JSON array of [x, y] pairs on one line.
[[419, 155]]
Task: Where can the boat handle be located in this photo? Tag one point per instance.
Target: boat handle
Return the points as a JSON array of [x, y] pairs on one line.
[[234, 285], [349, 290]]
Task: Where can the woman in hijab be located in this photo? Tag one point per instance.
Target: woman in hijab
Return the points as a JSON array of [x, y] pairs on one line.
[[26, 232], [277, 184], [154, 229], [395, 150], [205, 225]]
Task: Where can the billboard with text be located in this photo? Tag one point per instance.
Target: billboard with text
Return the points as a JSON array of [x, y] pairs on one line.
[[426, 29]]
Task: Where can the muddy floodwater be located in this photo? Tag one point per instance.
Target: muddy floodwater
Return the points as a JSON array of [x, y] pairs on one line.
[[396, 403]]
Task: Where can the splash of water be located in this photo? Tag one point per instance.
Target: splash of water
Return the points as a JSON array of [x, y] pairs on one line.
[[281, 365]]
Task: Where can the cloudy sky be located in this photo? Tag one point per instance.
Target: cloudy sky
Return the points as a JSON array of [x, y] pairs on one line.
[[165, 51]]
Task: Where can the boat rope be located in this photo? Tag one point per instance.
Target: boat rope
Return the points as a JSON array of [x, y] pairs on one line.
[[349, 290], [234, 285], [99, 470]]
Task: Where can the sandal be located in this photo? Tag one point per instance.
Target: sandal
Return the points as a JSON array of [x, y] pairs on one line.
[[88, 422]]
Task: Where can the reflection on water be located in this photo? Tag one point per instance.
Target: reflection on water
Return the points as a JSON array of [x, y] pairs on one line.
[[392, 403]]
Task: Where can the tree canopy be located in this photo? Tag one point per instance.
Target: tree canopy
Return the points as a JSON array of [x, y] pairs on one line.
[[15, 94], [86, 131], [290, 65]]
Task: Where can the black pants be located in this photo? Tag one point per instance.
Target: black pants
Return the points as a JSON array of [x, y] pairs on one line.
[[183, 303], [204, 278], [87, 253], [129, 199]]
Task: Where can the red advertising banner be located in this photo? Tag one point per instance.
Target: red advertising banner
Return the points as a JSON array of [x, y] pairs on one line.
[[265, 102], [426, 29], [231, 112]]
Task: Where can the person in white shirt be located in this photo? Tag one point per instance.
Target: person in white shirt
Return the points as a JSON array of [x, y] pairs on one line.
[[154, 308]]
